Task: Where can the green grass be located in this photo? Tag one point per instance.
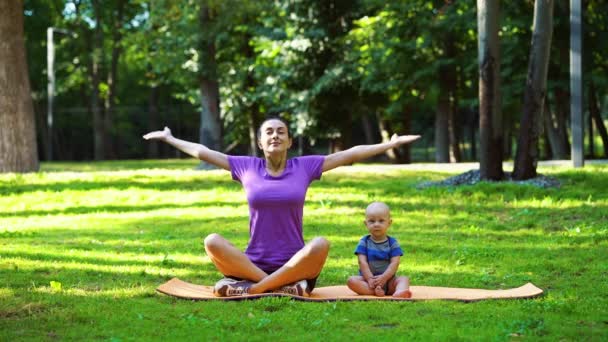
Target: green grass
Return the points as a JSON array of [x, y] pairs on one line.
[[84, 245]]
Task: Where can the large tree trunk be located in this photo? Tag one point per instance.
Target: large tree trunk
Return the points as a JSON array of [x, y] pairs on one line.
[[594, 111], [210, 129], [490, 114], [18, 150], [530, 128]]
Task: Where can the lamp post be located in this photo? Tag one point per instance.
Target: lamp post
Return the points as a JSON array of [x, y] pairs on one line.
[[50, 62]]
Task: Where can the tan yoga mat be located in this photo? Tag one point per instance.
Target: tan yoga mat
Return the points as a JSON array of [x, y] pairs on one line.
[[181, 289]]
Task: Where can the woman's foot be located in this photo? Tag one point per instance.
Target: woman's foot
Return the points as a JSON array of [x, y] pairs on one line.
[[379, 291], [228, 287], [296, 289], [403, 294]]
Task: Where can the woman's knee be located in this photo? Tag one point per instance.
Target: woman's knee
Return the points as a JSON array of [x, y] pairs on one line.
[[319, 245], [213, 241]]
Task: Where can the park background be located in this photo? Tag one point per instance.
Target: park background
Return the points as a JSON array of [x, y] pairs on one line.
[[85, 241]]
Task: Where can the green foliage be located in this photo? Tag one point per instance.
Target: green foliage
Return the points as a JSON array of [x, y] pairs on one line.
[[324, 65], [84, 245]]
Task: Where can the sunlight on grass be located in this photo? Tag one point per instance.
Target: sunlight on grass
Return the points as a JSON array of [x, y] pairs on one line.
[[108, 231]]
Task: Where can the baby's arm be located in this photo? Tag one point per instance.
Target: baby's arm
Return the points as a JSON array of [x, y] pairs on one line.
[[366, 272]]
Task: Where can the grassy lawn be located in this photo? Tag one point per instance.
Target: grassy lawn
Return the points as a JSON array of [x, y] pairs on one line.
[[83, 247]]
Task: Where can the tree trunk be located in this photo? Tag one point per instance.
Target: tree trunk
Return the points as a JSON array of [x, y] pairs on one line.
[[253, 109], [530, 128], [561, 113], [99, 132], [18, 147], [405, 151], [490, 114], [153, 124], [384, 133], [556, 133], [442, 141], [113, 80], [589, 132], [253, 130], [452, 87], [210, 129], [594, 111], [367, 129], [559, 150]]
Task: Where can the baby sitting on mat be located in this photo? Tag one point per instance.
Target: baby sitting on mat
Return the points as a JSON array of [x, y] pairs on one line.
[[379, 256]]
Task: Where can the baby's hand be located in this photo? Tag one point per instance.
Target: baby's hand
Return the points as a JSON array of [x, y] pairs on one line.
[[379, 281]]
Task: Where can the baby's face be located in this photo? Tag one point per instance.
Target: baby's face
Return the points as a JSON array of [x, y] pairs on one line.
[[377, 221]]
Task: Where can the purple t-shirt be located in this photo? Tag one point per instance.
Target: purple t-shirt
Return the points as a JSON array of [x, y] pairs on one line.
[[276, 205]]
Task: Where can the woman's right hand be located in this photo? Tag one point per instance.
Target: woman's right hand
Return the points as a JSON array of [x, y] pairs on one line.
[[159, 135]]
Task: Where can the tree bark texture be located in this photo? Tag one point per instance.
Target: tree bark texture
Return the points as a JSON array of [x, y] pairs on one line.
[[153, 121], [555, 131], [405, 151], [210, 128], [386, 137], [18, 148], [595, 112], [530, 128], [442, 115], [451, 83], [113, 80], [490, 113], [99, 132]]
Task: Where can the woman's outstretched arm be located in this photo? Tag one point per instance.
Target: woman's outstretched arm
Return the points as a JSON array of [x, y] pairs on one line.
[[198, 151], [361, 152]]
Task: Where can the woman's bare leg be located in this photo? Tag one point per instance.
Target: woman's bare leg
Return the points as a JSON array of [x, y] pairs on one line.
[[230, 261], [305, 264], [360, 286]]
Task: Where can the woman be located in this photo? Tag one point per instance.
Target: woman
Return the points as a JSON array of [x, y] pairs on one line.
[[276, 258]]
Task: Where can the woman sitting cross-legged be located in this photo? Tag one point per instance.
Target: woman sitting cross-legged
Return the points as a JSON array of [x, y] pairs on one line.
[[276, 258]]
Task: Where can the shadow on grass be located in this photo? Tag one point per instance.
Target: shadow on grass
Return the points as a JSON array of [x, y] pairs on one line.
[[141, 182], [80, 210]]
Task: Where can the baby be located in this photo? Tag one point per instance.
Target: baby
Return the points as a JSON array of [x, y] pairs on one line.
[[379, 256]]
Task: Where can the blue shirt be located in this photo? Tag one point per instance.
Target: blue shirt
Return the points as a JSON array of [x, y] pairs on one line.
[[378, 254]]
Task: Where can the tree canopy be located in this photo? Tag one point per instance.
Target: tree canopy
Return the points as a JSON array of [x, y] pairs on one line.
[[343, 72]]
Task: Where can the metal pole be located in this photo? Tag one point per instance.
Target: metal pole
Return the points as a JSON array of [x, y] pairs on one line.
[[576, 84], [50, 61]]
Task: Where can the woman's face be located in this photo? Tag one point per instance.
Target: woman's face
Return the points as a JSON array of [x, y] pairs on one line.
[[274, 137]]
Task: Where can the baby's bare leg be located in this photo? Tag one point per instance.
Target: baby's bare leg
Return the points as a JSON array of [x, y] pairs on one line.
[[359, 285], [402, 287]]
